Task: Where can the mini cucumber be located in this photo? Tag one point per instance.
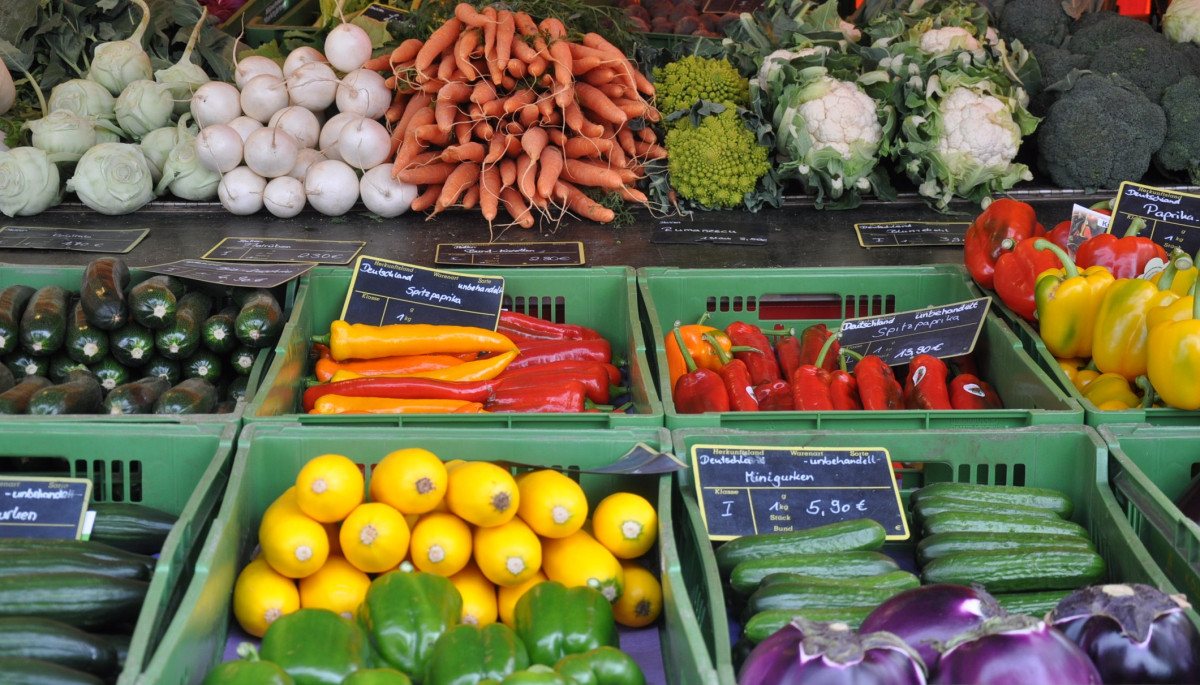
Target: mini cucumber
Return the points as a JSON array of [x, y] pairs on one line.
[[86, 344], [936, 504], [80, 393], [7, 380], [941, 544], [218, 333], [746, 576], [13, 300], [167, 369], [1043, 498], [110, 373], [1002, 571], [61, 365], [15, 400], [1031, 603], [152, 302], [242, 360], [260, 320], [44, 322], [799, 596], [132, 344], [762, 625], [955, 522], [190, 396], [135, 397], [182, 337], [102, 293], [203, 363], [842, 536], [898, 579]]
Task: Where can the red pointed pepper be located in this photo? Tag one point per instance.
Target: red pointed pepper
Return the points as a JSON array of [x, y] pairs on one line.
[[562, 396], [543, 351], [698, 390], [787, 353], [967, 391], [877, 385], [1017, 273], [517, 326], [594, 381], [811, 382], [760, 362], [774, 396], [984, 242], [925, 387], [736, 378], [814, 339], [614, 373], [1125, 257], [400, 388], [843, 391]]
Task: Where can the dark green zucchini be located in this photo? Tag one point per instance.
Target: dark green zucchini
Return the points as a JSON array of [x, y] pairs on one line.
[[131, 527], [167, 369], [15, 400], [24, 671], [260, 320], [59, 561], [132, 344], [102, 292], [7, 380], [84, 600], [61, 365], [237, 388], [217, 333], [204, 363], [242, 360], [80, 393], [190, 396], [23, 364], [101, 552], [44, 322], [135, 397], [86, 343], [120, 642], [182, 338], [110, 373], [152, 302], [12, 305], [57, 642]]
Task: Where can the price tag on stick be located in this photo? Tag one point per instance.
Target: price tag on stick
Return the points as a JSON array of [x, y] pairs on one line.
[[946, 330], [33, 507]]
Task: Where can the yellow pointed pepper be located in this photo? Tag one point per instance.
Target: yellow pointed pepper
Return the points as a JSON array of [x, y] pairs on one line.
[[1108, 388], [1119, 334], [1067, 300], [1174, 360], [479, 370]]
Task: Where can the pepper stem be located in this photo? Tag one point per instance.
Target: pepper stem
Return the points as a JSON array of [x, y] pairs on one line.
[[1179, 261], [683, 350], [1148, 394], [322, 339], [716, 345], [1069, 268], [247, 651], [829, 340], [1136, 225]]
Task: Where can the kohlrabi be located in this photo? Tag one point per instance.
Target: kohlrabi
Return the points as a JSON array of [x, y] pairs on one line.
[[185, 76], [64, 133], [113, 178], [158, 144], [185, 176], [144, 106], [29, 182], [83, 97], [118, 63]]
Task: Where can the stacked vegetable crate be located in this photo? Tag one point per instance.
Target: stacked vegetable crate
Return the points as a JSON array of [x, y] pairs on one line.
[[270, 454], [180, 469], [601, 298], [1072, 459], [796, 298]]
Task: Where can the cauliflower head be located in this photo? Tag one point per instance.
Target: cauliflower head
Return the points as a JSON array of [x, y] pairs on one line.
[[717, 162], [977, 130], [680, 84], [948, 39], [1181, 21], [838, 115]]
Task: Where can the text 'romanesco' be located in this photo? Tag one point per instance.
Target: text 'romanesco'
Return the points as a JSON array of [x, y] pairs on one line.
[[717, 162]]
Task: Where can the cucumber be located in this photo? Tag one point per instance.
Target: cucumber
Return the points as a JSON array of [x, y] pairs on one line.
[[24, 671], [132, 344], [168, 369], [23, 364], [84, 600], [85, 343], [1031, 603], [135, 397], [182, 337], [762, 625], [237, 388], [218, 334], [7, 380], [242, 360], [897, 579], [152, 302], [955, 522], [746, 576], [941, 544], [1043, 498], [260, 320], [936, 504], [61, 365], [1052, 568], [132, 527], [56, 642], [101, 552], [12, 305], [858, 534], [102, 293], [44, 322], [80, 393], [15, 400], [190, 396], [204, 363], [110, 373], [793, 596], [34, 561]]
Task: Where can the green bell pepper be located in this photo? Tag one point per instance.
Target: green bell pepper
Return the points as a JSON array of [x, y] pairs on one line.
[[602, 666], [404, 613], [538, 674], [316, 646], [467, 654], [248, 670], [556, 621], [377, 676]]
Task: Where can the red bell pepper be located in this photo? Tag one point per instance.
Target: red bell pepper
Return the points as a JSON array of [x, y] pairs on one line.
[[736, 378], [810, 389], [774, 396], [813, 340], [760, 361], [400, 388], [925, 387], [1125, 257], [787, 353], [1016, 274], [843, 391], [698, 390], [967, 391], [877, 385], [557, 396], [984, 243], [517, 326]]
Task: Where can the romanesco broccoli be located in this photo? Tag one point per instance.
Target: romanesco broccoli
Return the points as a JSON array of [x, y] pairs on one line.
[[717, 162], [680, 84]]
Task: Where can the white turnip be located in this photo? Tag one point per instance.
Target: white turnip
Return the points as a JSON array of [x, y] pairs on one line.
[[385, 195], [331, 187], [216, 102], [241, 191], [284, 197], [364, 92], [270, 152]]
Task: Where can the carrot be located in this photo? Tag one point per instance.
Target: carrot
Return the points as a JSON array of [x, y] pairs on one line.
[[529, 115], [464, 152], [410, 145], [489, 37], [462, 130], [468, 40], [580, 146], [585, 173], [508, 172], [483, 92], [527, 176], [448, 67], [427, 174], [497, 146], [395, 139], [483, 130], [534, 141], [613, 91], [470, 197], [628, 176], [519, 99], [445, 111], [582, 66], [516, 207], [550, 166], [508, 83], [462, 177], [439, 41], [467, 14], [426, 199], [560, 54], [419, 101], [554, 28], [396, 109], [525, 24], [537, 65], [599, 76], [643, 84], [591, 98], [406, 51], [432, 86], [431, 133], [647, 135], [545, 106], [554, 120], [581, 204], [380, 63], [557, 136], [426, 157], [489, 192], [494, 109], [633, 195], [506, 29], [625, 138], [523, 51], [625, 70], [514, 128], [646, 150], [516, 67]]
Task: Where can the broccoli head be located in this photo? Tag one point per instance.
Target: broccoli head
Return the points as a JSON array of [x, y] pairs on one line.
[[680, 84], [717, 162], [1055, 64], [1100, 132], [1180, 151], [1035, 21], [1146, 59], [1096, 32]]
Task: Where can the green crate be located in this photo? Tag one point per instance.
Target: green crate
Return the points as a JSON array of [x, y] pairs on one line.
[[1069, 458], [270, 454], [796, 298], [1149, 468], [603, 298], [180, 469]]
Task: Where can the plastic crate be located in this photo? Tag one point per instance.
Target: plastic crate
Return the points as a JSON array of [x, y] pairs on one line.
[[796, 298], [179, 469], [1069, 458], [603, 298], [1149, 468], [270, 454]]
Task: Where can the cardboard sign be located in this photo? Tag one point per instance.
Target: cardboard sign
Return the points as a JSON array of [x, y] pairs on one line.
[[510, 254], [946, 330], [384, 292], [1085, 223], [33, 507], [239, 275], [752, 490], [116, 241], [1172, 218], [285, 250], [911, 233], [708, 229]]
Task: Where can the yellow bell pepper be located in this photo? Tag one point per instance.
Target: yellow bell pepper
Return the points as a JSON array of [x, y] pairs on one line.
[[1067, 300], [1174, 360], [1084, 378], [1119, 333], [1110, 387], [1179, 283], [1071, 367]]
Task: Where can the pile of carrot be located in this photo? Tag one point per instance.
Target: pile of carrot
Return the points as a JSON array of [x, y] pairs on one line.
[[497, 110]]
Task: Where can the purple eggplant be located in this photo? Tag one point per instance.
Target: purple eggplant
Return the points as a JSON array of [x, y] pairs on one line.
[[1133, 633], [932, 614], [831, 654], [1014, 650]]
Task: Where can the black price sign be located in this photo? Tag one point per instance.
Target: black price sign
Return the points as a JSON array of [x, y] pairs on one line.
[[946, 330], [384, 292], [238, 275], [709, 229], [510, 254], [383, 13], [752, 490], [911, 233], [285, 250], [33, 507], [1172, 219], [116, 241]]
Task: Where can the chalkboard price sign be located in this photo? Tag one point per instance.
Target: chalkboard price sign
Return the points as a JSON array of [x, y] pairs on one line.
[[112, 240], [748, 490], [285, 250], [911, 233], [708, 229], [243, 275], [1172, 218], [32, 507], [943, 331], [510, 254], [384, 292]]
